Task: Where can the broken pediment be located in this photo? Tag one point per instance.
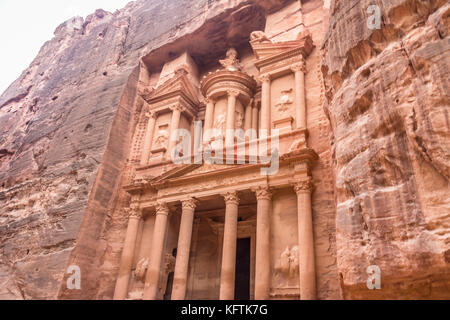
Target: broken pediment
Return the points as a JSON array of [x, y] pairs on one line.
[[177, 86], [268, 52]]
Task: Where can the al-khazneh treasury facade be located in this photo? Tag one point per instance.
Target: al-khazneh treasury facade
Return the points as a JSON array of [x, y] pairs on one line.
[[223, 229]]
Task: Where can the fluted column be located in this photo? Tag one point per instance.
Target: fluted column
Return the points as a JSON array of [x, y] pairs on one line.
[[262, 270], [248, 116], [306, 240], [183, 249], [265, 104], [174, 125], [209, 117], [228, 273], [148, 138], [126, 262], [300, 94], [156, 252], [231, 117]]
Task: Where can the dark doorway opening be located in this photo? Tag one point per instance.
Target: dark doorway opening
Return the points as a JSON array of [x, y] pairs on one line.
[[168, 293], [242, 281]]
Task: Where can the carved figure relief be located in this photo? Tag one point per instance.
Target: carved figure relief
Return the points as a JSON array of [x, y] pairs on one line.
[[162, 137], [259, 36], [287, 269], [239, 120], [141, 269], [219, 124], [231, 62], [285, 100]]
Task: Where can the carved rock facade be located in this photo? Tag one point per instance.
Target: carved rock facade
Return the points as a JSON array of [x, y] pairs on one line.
[[362, 179]]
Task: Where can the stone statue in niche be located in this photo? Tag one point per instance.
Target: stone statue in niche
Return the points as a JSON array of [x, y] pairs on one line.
[[285, 100], [239, 120], [259, 36], [161, 138], [219, 124], [287, 269], [141, 269], [231, 62]]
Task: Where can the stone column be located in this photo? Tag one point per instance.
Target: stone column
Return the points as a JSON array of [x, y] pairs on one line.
[[126, 262], [306, 240], [262, 270], [255, 117], [248, 116], [228, 272], [300, 94], [209, 117], [231, 117], [183, 249], [148, 138], [174, 125], [156, 252], [265, 104]]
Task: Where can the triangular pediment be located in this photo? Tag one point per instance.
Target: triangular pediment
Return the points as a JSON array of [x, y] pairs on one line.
[[266, 50], [193, 170], [179, 84]]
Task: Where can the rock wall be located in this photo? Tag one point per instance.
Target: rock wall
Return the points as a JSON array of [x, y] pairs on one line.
[[388, 104], [65, 128]]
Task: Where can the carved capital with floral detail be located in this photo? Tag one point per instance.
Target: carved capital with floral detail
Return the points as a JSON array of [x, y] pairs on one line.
[[231, 198], [264, 78], [189, 204], [303, 186], [262, 193], [210, 99], [232, 93], [133, 213], [162, 209], [178, 107], [150, 115], [300, 66]]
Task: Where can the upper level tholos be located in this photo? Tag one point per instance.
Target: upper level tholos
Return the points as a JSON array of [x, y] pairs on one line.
[[258, 87]]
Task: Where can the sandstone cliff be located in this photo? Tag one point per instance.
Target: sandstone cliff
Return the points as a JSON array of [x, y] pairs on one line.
[[388, 94], [65, 129]]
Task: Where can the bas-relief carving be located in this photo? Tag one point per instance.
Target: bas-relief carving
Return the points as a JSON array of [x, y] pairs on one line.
[[286, 270], [259, 37], [285, 100], [141, 269]]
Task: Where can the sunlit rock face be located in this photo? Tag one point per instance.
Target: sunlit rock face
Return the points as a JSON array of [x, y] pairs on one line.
[[74, 165], [387, 92]]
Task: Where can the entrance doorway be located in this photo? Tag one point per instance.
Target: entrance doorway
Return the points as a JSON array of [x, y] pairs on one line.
[[242, 281]]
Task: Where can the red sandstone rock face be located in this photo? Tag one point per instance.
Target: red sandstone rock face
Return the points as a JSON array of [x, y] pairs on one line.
[[65, 129], [388, 94]]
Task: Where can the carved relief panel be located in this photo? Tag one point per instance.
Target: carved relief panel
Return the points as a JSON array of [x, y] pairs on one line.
[[283, 102]]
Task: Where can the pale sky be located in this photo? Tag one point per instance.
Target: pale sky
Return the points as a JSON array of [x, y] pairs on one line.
[[25, 25]]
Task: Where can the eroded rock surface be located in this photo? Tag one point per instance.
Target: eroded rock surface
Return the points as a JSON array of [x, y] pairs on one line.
[[388, 94]]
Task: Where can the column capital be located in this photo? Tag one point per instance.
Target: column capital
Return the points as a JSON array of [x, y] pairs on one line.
[[231, 198], [264, 78], [300, 66], [190, 203], [133, 213], [178, 107], [162, 209], [303, 186], [232, 93], [210, 99], [262, 193], [150, 115]]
